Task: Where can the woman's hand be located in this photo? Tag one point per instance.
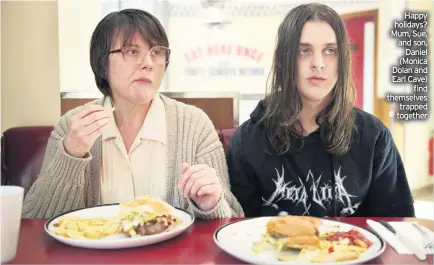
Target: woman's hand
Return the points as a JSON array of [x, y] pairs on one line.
[[84, 128], [200, 183]]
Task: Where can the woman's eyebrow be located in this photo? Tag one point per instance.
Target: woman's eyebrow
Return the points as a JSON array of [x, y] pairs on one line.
[[132, 45]]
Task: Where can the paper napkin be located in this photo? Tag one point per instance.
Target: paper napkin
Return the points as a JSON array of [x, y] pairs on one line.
[[405, 229]]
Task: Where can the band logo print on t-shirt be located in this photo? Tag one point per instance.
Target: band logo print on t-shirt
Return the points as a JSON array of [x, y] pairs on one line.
[[320, 193]]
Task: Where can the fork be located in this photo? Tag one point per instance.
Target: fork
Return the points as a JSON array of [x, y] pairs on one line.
[[427, 240]]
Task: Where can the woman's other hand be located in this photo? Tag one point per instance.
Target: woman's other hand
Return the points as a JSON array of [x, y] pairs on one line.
[[200, 183]]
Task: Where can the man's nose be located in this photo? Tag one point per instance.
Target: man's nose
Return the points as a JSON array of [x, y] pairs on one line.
[[318, 62]]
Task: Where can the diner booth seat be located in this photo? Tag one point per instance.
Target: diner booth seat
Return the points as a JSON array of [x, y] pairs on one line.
[[23, 148]]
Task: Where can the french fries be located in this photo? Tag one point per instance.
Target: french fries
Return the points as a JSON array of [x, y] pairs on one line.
[[334, 257], [326, 251], [92, 228]]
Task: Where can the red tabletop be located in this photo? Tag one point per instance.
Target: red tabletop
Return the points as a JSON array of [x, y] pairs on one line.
[[195, 246]]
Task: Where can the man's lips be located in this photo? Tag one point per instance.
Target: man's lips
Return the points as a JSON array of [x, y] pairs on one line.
[[316, 80], [319, 78]]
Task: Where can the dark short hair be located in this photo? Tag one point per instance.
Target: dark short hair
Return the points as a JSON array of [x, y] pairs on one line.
[[283, 101], [123, 23]]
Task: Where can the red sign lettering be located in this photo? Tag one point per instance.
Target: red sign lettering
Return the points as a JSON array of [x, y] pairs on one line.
[[223, 49]]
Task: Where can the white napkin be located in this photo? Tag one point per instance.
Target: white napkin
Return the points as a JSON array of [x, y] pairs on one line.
[[405, 229]]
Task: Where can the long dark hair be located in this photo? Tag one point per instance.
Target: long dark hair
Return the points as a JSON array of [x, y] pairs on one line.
[[283, 102]]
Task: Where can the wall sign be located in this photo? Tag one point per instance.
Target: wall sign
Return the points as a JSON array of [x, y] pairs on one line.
[[220, 57]]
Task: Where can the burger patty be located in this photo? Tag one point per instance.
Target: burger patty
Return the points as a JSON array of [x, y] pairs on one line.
[[301, 242], [160, 224], [292, 226]]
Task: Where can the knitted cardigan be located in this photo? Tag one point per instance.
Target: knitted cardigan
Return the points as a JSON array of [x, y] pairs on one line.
[[67, 183]]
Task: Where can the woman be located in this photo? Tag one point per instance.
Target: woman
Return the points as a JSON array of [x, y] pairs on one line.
[[133, 141], [306, 149]]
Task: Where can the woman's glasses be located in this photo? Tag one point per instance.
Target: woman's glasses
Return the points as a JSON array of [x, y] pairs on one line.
[[134, 55]]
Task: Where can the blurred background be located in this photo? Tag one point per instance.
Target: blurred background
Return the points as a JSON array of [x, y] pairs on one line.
[[221, 57]]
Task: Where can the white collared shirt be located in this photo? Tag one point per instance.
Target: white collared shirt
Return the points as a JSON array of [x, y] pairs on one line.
[[142, 170]]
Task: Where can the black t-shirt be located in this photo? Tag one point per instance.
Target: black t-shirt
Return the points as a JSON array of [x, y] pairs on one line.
[[369, 180]]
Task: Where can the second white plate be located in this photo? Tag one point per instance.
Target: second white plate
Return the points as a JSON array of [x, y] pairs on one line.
[[116, 242], [237, 239]]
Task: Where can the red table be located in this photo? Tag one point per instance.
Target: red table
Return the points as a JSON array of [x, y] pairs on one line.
[[195, 246]]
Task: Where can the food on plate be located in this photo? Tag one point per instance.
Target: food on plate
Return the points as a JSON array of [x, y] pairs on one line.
[[350, 238], [298, 238], [147, 215], [317, 256], [294, 231], [86, 228]]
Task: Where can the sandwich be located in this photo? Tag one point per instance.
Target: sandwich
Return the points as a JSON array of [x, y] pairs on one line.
[[294, 232], [147, 215], [298, 239]]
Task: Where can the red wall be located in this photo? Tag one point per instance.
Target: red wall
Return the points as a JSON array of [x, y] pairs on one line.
[[355, 29]]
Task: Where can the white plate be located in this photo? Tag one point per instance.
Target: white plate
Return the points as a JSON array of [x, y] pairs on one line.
[[237, 239], [116, 242]]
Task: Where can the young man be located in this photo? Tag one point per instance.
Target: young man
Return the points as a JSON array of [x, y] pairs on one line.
[[306, 150]]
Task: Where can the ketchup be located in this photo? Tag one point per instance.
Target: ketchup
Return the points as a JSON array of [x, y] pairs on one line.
[[352, 236]]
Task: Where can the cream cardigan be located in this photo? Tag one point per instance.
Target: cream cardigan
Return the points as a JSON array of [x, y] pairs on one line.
[[67, 183]]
